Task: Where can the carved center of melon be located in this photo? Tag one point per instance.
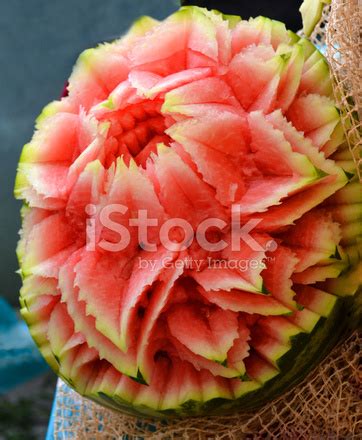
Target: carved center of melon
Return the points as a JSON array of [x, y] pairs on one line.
[[135, 132]]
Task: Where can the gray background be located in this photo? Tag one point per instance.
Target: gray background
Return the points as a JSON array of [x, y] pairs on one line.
[[39, 42]]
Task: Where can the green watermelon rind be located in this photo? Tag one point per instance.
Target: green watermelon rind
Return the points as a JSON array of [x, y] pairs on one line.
[[311, 11], [307, 351]]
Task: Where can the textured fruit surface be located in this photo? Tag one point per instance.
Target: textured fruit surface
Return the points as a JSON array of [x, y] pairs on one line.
[[226, 130]]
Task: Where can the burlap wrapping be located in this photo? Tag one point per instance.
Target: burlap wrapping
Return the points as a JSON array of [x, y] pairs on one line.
[[328, 403], [340, 29]]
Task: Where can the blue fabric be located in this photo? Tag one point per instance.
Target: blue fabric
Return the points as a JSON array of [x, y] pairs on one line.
[[50, 432], [64, 417], [20, 359]]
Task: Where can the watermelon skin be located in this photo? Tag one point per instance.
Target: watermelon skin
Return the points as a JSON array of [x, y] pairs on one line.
[[307, 351], [174, 131]]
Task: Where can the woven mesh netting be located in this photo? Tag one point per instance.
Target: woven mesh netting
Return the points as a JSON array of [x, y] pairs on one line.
[[340, 29], [327, 405]]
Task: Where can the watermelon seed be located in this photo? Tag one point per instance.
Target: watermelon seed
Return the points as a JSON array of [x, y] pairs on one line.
[[348, 175], [264, 290], [56, 358], [321, 173], [160, 354], [224, 363], [245, 378], [336, 255], [139, 379], [141, 312]]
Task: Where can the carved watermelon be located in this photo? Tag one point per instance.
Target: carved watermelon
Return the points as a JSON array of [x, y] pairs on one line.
[[213, 123]]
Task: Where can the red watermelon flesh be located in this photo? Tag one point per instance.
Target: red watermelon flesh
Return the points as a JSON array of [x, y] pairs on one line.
[[191, 222]]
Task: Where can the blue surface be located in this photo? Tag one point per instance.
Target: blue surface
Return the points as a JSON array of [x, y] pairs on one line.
[[64, 417], [50, 432], [20, 359]]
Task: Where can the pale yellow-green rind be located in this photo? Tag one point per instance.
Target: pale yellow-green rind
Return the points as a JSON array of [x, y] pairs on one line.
[[273, 353], [351, 232], [49, 110], [311, 11], [293, 37], [21, 182], [20, 248], [233, 20], [242, 387], [325, 306], [354, 252], [142, 25], [305, 319], [89, 58], [346, 284], [196, 15]]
